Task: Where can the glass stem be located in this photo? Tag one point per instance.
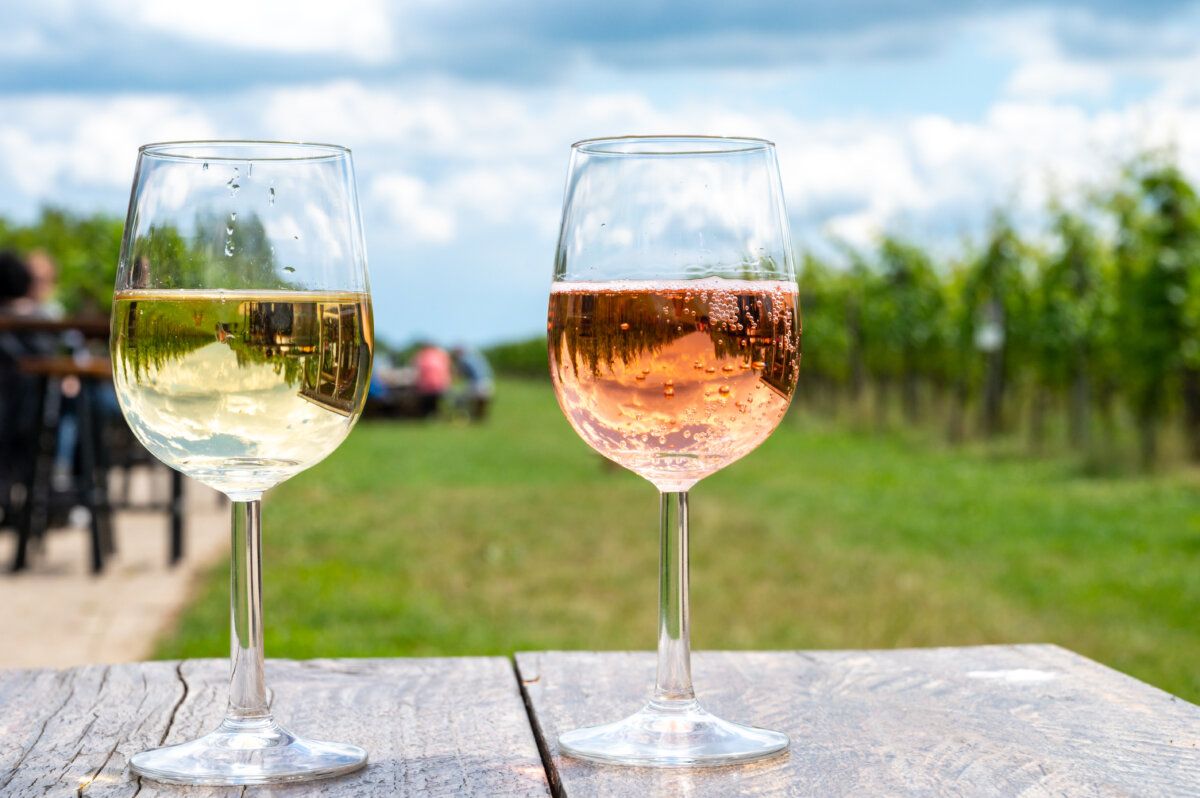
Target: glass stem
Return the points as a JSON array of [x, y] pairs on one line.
[[247, 682], [673, 687]]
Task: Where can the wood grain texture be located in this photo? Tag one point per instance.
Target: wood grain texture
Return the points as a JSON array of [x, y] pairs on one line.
[[440, 727], [1031, 720]]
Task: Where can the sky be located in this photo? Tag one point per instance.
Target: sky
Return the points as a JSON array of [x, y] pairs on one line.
[[919, 118]]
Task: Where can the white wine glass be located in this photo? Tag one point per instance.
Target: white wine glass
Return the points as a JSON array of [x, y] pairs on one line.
[[674, 341], [241, 346]]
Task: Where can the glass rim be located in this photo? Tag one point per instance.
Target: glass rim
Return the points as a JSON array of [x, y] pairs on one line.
[[241, 150], [645, 145]]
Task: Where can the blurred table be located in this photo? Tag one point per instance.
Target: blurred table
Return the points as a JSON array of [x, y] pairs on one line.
[[91, 367], [94, 328], [1027, 720]]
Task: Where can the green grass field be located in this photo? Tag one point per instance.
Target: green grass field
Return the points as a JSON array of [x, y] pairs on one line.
[[429, 539]]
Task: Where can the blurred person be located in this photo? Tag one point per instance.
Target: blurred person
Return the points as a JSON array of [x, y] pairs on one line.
[[15, 280], [16, 283], [18, 401], [38, 302], [43, 291], [434, 374], [476, 372]]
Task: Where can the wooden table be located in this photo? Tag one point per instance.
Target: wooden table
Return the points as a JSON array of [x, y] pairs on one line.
[[1032, 720], [94, 328]]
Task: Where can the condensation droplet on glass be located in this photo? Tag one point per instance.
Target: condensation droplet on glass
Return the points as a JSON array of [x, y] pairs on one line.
[[271, 196], [724, 389], [229, 249], [668, 391], [727, 368], [204, 166], [624, 325], [289, 268], [639, 377], [233, 216], [758, 364], [711, 370]]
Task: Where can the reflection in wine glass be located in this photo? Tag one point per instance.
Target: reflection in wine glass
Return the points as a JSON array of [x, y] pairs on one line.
[[674, 340], [242, 344]]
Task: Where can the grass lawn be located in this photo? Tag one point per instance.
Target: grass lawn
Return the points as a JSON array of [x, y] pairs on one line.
[[435, 539]]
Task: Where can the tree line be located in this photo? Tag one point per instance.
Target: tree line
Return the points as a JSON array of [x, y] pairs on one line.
[[1098, 314]]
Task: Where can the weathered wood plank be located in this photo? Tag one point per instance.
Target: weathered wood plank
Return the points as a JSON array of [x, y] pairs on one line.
[[66, 731], [1027, 721], [431, 726]]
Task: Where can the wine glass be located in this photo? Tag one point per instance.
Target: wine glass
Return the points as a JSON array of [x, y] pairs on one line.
[[241, 346], [674, 341]]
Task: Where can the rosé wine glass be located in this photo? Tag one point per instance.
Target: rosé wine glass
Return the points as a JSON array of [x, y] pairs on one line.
[[674, 342]]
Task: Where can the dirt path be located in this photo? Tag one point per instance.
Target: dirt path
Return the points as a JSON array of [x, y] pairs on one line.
[[57, 614]]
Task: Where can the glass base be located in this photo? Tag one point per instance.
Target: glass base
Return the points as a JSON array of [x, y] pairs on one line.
[[672, 734], [247, 752]]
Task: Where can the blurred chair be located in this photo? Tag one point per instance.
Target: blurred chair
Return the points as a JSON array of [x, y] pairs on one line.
[[49, 497], [33, 496], [17, 435]]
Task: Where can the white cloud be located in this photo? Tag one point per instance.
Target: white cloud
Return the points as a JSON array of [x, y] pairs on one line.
[[491, 194], [50, 146], [22, 42], [1181, 82], [859, 230], [1055, 79], [359, 29], [348, 111], [936, 178], [408, 204]]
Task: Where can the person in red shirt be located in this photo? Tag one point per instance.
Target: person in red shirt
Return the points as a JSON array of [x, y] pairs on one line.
[[434, 373]]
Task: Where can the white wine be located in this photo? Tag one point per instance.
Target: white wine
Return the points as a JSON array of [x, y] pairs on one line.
[[241, 389]]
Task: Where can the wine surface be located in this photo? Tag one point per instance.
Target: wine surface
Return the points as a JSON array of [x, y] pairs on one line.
[[674, 379], [241, 389]]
